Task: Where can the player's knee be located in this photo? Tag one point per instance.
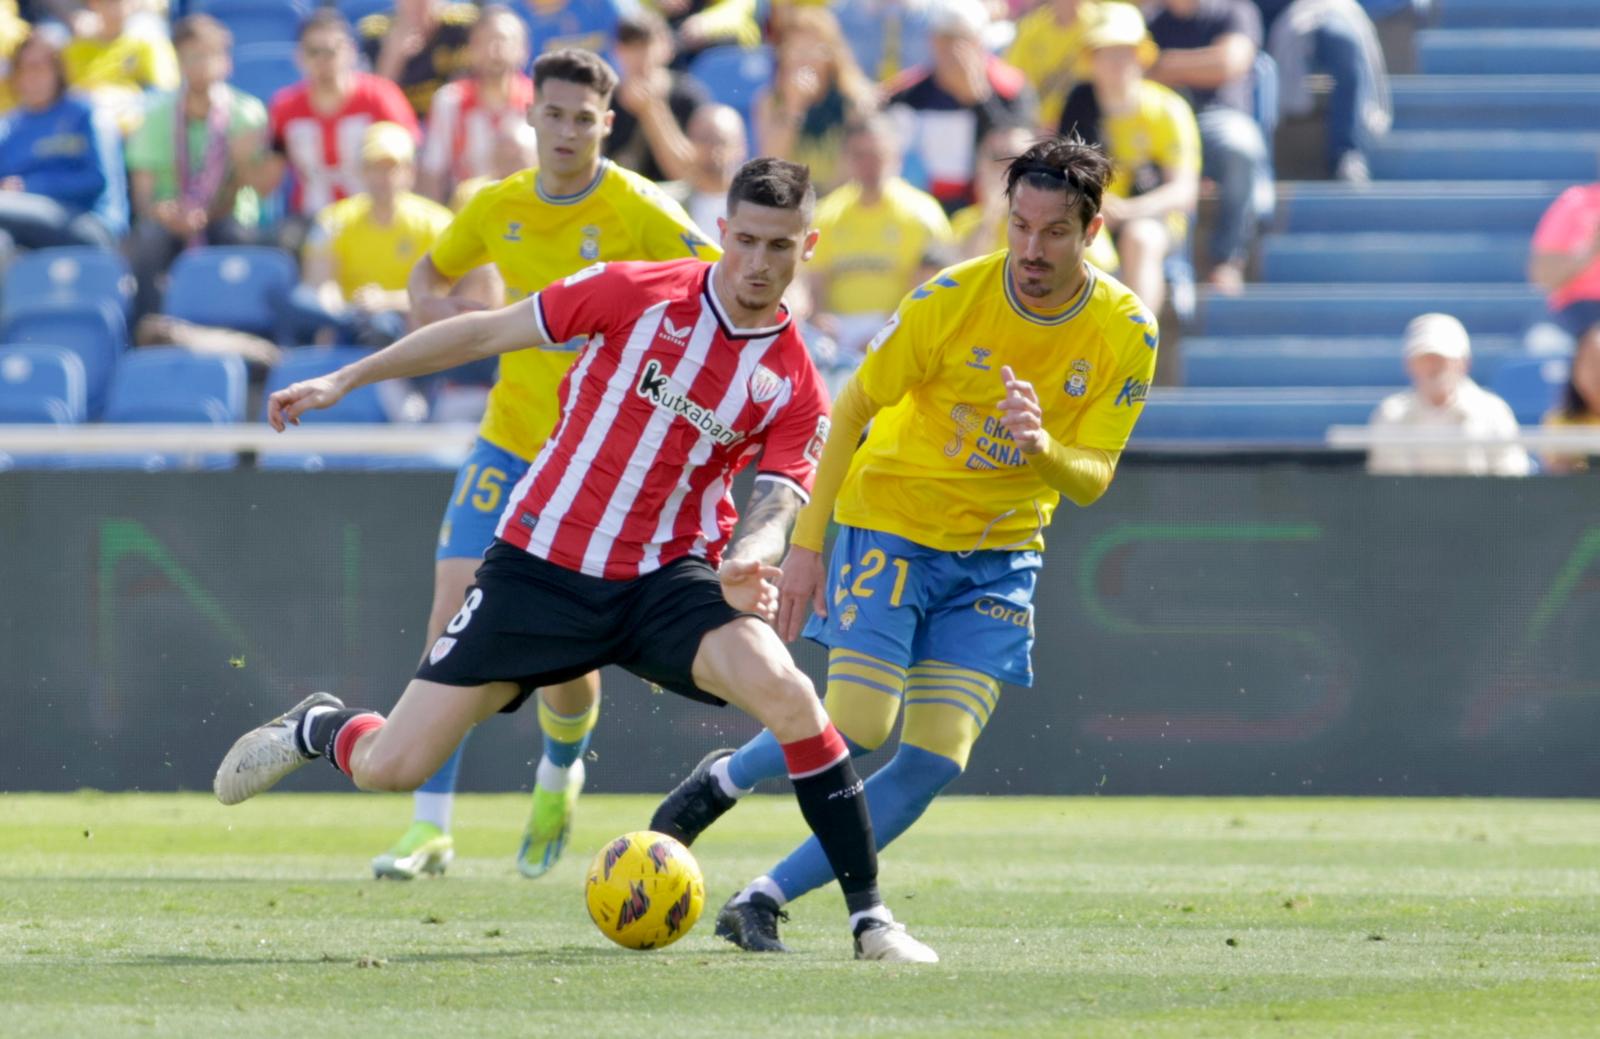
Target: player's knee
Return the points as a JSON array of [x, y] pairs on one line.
[[789, 703], [864, 728]]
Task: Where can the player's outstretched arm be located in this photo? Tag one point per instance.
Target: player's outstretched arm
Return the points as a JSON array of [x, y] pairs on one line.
[[457, 340]]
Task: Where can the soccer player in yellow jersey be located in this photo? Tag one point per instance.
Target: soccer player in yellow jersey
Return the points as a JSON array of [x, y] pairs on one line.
[[536, 227], [998, 386]]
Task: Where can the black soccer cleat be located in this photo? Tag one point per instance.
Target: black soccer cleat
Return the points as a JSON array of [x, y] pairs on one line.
[[752, 925], [694, 804]]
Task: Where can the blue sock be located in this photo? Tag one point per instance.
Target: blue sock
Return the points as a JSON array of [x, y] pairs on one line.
[[897, 795], [562, 754], [444, 780], [762, 758]]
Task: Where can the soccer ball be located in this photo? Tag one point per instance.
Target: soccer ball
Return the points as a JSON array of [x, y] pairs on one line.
[[644, 890]]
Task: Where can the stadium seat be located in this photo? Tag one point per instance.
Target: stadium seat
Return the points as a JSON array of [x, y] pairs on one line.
[[1485, 155], [1502, 52], [72, 274], [1256, 417], [1492, 207], [42, 384], [242, 287], [365, 405], [262, 69], [734, 75], [171, 384], [1497, 102], [257, 21], [1400, 257], [1519, 14], [96, 331], [355, 10], [1531, 387], [1372, 310], [1289, 361]]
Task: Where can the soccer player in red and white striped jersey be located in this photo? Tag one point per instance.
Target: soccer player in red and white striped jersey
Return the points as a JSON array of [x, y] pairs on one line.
[[619, 546]]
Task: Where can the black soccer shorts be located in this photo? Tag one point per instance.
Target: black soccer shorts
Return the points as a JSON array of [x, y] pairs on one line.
[[527, 620]]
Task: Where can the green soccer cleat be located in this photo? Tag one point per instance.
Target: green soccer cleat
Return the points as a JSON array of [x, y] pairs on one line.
[[422, 849], [549, 825]]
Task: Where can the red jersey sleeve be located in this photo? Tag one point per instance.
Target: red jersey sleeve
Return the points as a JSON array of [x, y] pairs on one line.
[[583, 303], [792, 445]]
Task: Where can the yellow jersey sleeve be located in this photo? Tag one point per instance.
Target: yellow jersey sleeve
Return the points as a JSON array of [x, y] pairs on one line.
[[1108, 420], [460, 247], [902, 354], [665, 229]]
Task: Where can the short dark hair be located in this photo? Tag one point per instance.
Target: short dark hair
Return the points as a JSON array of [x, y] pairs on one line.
[[776, 183], [573, 65], [1066, 164], [201, 27], [325, 18]]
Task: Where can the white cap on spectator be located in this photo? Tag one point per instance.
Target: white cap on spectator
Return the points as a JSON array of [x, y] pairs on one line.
[[958, 18], [1437, 334]]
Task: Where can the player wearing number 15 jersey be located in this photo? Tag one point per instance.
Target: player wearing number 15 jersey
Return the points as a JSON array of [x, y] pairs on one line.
[[536, 227], [999, 385]]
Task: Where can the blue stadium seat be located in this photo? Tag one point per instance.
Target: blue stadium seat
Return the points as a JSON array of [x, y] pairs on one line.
[[1502, 52], [363, 406], [1504, 207], [1259, 417], [42, 384], [96, 331], [72, 274], [1519, 14], [262, 69], [1289, 361], [1372, 310], [171, 384], [1485, 155], [734, 75], [1496, 102], [1400, 257], [1531, 387], [355, 10], [257, 21], [242, 287]]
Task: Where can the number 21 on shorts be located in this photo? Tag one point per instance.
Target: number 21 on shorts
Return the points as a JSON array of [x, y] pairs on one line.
[[866, 583]]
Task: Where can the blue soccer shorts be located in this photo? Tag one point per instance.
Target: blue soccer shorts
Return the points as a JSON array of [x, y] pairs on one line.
[[903, 602], [479, 496]]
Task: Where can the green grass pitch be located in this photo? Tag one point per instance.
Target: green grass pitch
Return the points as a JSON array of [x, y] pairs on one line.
[[168, 915]]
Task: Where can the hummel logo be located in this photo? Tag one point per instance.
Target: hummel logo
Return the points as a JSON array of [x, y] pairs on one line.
[[513, 232], [674, 333]]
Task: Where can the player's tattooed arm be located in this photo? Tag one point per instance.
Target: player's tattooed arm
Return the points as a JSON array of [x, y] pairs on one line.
[[763, 530]]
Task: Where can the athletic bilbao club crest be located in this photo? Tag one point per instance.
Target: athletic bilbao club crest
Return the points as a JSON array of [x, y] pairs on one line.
[[764, 384], [441, 649]]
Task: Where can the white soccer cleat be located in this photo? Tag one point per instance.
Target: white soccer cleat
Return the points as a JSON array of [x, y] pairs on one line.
[[890, 942], [265, 754]]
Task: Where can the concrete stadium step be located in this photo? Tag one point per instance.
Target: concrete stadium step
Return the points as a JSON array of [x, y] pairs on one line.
[[1511, 206], [1499, 52], [1404, 256], [1372, 310], [1486, 155], [1497, 102], [1258, 417], [1287, 361], [1519, 14]]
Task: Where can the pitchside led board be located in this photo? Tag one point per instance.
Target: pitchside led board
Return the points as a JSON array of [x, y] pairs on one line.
[[1201, 631]]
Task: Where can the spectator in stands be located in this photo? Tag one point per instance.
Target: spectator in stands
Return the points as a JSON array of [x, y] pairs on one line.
[[193, 186], [1565, 258], [1443, 397], [880, 238], [470, 115], [361, 250], [887, 36], [1208, 48], [653, 102], [718, 142], [980, 229], [1047, 46], [114, 67], [316, 125], [1151, 136], [1334, 37], [420, 45], [1579, 404], [61, 173], [513, 149], [944, 109], [699, 24], [585, 24], [817, 89]]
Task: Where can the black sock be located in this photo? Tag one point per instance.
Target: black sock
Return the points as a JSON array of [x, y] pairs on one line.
[[834, 803], [317, 738]]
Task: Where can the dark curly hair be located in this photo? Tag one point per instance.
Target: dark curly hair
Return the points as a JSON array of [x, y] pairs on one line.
[[1067, 164]]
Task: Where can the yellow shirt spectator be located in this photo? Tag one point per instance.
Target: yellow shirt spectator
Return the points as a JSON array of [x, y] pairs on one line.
[[117, 72], [868, 257], [1158, 136], [367, 253], [1047, 53]]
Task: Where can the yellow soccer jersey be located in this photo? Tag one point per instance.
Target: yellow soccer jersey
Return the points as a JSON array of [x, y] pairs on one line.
[[535, 239], [1160, 132], [367, 253], [870, 255], [1047, 53], [130, 62], [937, 467]]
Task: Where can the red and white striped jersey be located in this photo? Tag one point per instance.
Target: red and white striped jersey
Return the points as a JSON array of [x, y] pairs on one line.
[[667, 401], [325, 148], [462, 132]]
